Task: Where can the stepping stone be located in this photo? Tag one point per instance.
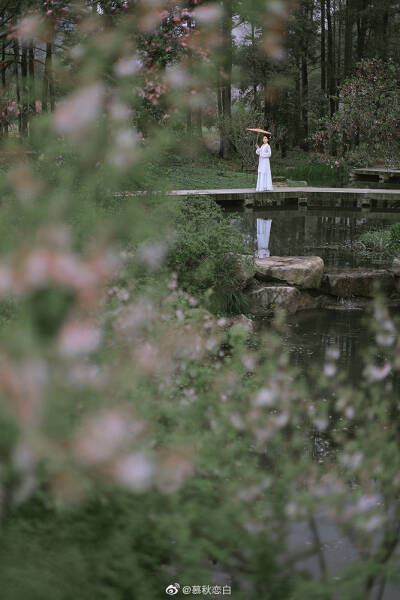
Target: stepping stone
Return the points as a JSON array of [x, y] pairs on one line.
[[263, 299], [302, 271]]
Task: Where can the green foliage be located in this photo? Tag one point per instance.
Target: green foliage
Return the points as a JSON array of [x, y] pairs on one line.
[[205, 255], [317, 174], [395, 237], [122, 545], [386, 241], [366, 124]]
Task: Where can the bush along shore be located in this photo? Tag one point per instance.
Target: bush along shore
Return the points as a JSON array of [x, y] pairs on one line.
[[383, 243]]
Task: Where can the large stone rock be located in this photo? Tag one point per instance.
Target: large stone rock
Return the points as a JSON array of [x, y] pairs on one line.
[[355, 282], [263, 299], [302, 271]]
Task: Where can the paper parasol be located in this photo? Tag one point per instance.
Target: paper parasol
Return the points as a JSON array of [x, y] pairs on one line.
[[257, 130]]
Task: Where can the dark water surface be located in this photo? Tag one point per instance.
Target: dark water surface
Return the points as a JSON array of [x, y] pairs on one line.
[[308, 336], [311, 333], [328, 233], [325, 233]]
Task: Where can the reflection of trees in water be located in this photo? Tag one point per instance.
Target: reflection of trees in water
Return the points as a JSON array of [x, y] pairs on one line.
[[313, 333]]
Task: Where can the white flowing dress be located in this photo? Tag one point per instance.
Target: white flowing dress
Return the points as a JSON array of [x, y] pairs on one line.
[[264, 181]]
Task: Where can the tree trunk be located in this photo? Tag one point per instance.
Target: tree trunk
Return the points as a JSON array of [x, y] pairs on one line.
[[48, 81], [51, 80], [323, 56], [267, 103], [385, 37], [361, 28], [297, 115], [254, 66], [348, 38], [338, 47], [304, 101], [226, 147], [32, 86], [338, 42], [17, 85], [3, 60], [24, 89], [331, 60], [3, 105], [45, 85]]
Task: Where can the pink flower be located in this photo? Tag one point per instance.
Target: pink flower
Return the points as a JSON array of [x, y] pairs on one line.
[[79, 337], [134, 471], [80, 109]]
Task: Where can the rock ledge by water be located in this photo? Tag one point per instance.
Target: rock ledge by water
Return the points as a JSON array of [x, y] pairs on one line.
[[301, 271], [355, 282], [299, 283]]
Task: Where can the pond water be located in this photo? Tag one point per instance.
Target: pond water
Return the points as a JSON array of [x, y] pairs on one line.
[[309, 334], [325, 233], [330, 234]]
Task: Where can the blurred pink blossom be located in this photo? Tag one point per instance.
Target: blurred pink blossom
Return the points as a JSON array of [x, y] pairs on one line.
[[79, 337], [73, 115], [134, 471], [103, 435]]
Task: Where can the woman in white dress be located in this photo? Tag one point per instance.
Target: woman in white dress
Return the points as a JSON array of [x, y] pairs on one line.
[[264, 181]]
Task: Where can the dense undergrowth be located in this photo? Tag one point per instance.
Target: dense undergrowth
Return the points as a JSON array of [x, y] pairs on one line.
[[385, 242], [205, 254]]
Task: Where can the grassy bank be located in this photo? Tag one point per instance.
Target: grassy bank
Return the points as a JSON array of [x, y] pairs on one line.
[[209, 172]]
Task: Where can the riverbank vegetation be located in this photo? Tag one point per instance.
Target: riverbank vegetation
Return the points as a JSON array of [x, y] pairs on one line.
[[147, 440], [383, 242]]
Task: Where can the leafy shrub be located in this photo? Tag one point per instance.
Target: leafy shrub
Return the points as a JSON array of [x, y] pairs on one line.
[[386, 240], [122, 545], [368, 114], [314, 173], [395, 237], [205, 255]]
